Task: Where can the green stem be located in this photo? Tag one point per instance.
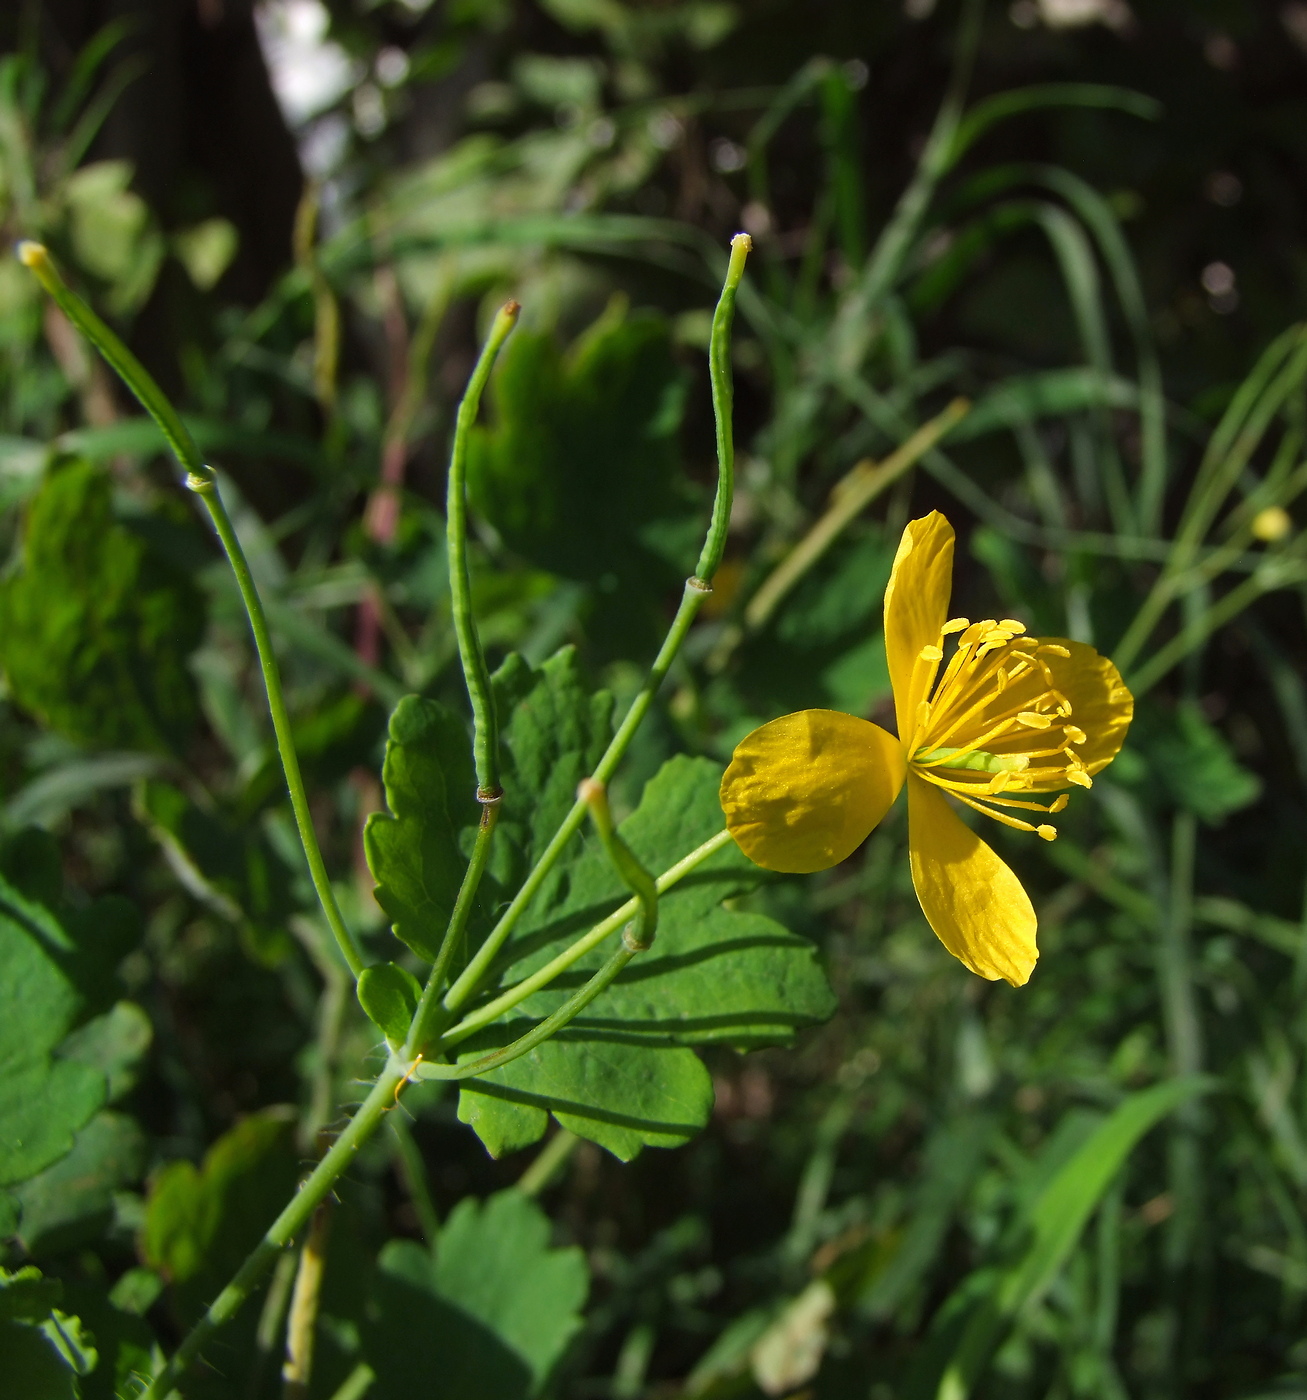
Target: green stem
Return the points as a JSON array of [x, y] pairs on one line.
[[624, 860], [357, 1384], [462, 990], [413, 1171], [430, 1010], [207, 490], [519, 991], [697, 589], [282, 1230], [1280, 574], [545, 1030], [854, 327], [485, 742], [130, 370], [200, 479], [551, 1158]]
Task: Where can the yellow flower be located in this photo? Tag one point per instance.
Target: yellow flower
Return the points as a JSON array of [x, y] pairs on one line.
[[1006, 719]]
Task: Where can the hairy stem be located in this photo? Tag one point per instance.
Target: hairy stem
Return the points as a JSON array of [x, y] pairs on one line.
[[283, 1230]]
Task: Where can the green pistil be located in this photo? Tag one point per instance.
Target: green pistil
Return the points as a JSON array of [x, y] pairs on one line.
[[976, 760]]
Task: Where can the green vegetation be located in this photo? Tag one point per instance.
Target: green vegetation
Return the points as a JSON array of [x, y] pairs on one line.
[[331, 576]]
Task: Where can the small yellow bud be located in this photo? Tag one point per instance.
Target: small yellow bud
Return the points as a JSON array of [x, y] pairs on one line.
[[1272, 524]]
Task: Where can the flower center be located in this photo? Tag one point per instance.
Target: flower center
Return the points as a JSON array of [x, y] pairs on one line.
[[996, 724]]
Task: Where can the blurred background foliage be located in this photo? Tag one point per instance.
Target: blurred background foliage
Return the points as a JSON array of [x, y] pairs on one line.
[[1086, 217]]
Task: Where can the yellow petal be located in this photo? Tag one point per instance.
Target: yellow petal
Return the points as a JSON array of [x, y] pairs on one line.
[[1101, 707], [975, 904], [916, 607], [804, 791]]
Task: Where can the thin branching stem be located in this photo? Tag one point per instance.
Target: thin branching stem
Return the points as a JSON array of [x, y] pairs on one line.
[[201, 480], [519, 991], [697, 589]]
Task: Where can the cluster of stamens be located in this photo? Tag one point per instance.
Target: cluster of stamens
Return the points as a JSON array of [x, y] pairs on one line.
[[951, 745]]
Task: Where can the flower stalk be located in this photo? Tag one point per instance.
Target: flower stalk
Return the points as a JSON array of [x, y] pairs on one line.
[[201, 480]]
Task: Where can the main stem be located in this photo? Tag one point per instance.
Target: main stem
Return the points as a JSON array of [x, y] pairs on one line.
[[282, 1230]]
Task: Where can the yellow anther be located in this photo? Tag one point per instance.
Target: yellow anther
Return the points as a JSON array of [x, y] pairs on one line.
[[1049, 833], [1013, 625], [958, 624], [1053, 649], [930, 654], [923, 713], [1074, 735], [999, 782], [1034, 720], [1079, 777], [1059, 803], [1001, 678]]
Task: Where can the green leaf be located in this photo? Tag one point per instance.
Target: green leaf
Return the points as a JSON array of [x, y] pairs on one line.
[[44, 1350], [489, 1314], [413, 851], [583, 455], [43, 1100], [127, 1349], [202, 1221], [622, 1074], [389, 995], [70, 1202], [1198, 767], [623, 1097], [95, 629], [115, 1044], [1054, 1210], [552, 734]]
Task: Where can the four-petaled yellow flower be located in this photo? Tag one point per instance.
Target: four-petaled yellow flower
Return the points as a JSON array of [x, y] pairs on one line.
[[1010, 717]]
